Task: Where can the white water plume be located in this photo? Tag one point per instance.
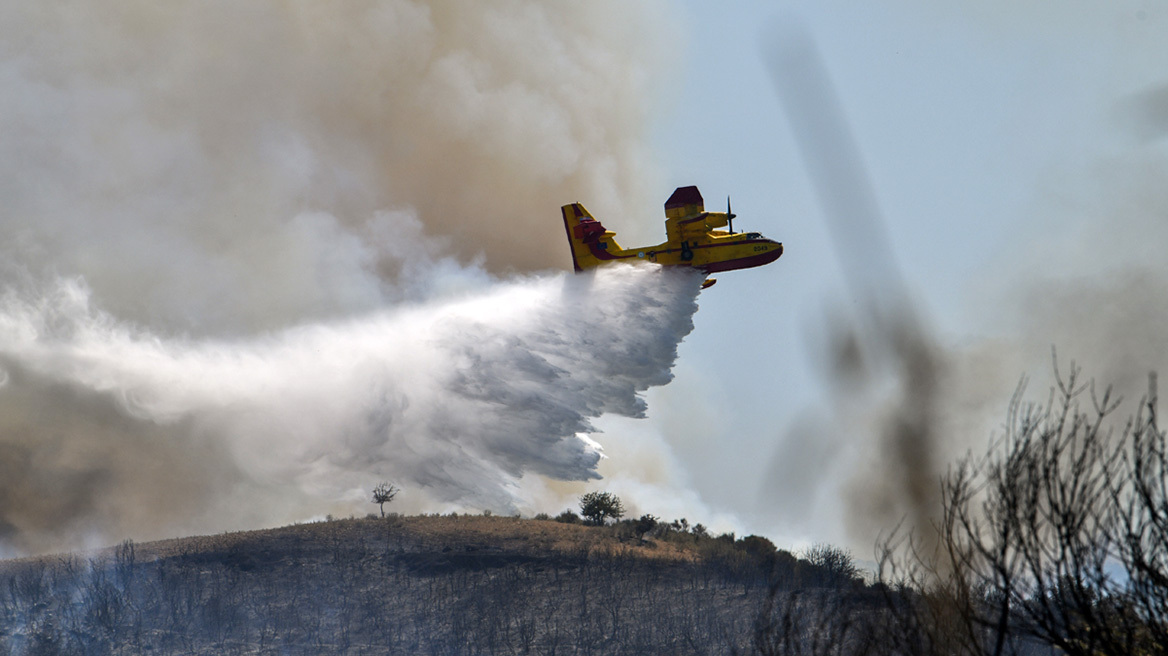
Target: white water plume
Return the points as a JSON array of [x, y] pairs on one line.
[[455, 400]]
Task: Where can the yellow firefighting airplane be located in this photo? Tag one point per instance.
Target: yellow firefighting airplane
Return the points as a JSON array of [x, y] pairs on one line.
[[692, 239]]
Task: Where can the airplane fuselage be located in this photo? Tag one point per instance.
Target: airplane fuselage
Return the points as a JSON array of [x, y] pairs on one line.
[[711, 252], [694, 238]]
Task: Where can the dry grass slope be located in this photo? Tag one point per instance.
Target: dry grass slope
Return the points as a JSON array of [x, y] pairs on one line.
[[404, 585]]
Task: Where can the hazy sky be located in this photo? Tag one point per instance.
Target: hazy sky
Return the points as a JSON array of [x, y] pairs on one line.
[[1021, 197]]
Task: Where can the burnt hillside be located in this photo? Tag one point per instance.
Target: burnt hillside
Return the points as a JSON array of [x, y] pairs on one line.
[[406, 585]]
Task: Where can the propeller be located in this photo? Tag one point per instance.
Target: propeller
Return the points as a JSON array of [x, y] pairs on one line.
[[729, 216]]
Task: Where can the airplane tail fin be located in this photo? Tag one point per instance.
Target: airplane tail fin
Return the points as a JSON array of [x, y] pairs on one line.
[[591, 243]]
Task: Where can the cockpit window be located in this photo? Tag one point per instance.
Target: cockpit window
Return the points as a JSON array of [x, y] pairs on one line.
[[753, 235]]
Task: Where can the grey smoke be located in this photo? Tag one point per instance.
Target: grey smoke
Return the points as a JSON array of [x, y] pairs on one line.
[[884, 365]]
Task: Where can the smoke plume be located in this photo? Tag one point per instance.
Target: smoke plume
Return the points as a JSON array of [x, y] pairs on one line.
[[209, 166], [258, 256], [885, 363]]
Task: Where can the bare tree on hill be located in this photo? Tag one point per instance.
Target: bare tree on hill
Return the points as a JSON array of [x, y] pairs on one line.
[[383, 494]]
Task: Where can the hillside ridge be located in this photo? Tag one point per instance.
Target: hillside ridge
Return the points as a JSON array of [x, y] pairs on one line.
[[440, 534]]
